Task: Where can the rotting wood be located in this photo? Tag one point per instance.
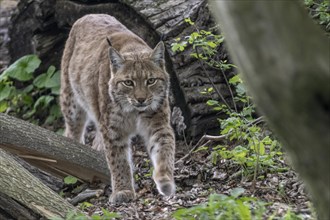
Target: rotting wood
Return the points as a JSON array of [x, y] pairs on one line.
[[17, 183], [52, 152]]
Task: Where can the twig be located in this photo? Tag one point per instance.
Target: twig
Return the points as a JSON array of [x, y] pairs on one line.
[[207, 138], [213, 85], [87, 194], [227, 83], [37, 158]]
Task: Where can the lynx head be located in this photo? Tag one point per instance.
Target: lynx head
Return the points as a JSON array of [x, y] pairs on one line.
[[139, 82]]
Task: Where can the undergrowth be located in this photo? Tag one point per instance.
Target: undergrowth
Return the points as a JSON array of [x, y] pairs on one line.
[[245, 140], [29, 96]]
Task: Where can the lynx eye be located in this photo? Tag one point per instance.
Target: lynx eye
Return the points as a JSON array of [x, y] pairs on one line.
[[129, 83], [151, 81]]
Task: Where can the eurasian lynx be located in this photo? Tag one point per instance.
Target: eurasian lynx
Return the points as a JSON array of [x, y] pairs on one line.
[[123, 89]]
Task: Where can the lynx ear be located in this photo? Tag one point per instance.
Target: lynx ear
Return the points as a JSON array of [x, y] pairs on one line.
[[158, 55], [116, 60]]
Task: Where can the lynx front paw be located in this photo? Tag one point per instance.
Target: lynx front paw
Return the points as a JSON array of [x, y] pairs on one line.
[[165, 185], [122, 196]]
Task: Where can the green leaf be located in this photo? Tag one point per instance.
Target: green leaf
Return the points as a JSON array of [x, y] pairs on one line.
[[27, 99], [236, 192], [56, 218], [85, 205], [50, 119], [110, 215], [211, 44], [3, 106], [261, 148], [70, 180], [240, 89], [243, 210], [188, 20], [23, 68], [51, 70], [5, 91], [56, 90], [43, 102], [218, 108], [212, 102], [54, 80], [55, 110], [235, 79], [28, 89], [96, 217], [40, 81]]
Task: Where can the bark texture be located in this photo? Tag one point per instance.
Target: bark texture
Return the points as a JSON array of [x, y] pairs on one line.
[[51, 152], [19, 184], [285, 61], [42, 26]]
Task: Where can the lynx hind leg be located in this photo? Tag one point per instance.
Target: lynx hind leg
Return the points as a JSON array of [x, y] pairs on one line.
[[75, 117], [161, 149]]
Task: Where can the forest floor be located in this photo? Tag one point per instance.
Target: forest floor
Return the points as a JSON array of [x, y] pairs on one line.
[[196, 178]]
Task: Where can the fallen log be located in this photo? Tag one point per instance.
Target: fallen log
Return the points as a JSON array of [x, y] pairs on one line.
[[51, 152], [17, 183], [11, 209]]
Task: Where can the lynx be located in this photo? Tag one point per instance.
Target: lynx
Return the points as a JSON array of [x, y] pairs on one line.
[[123, 89]]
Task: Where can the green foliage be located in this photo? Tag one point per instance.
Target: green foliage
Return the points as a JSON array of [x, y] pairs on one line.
[[29, 98], [246, 144], [224, 207], [69, 180], [320, 11], [73, 215]]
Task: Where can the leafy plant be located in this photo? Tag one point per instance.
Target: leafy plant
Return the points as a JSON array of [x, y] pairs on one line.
[[69, 180], [73, 215], [320, 12], [27, 96], [247, 143], [224, 207]]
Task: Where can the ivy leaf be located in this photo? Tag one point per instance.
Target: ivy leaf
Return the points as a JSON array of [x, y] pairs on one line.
[[23, 68]]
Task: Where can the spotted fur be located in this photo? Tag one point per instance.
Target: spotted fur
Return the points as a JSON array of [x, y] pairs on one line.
[[123, 89]]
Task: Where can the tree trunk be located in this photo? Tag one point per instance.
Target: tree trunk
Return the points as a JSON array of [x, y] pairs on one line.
[[19, 184], [54, 153], [285, 61], [42, 27]]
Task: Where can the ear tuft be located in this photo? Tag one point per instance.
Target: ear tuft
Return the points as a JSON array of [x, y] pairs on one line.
[[116, 60], [158, 54]]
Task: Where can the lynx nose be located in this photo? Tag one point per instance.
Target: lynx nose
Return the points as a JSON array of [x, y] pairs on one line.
[[140, 100]]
